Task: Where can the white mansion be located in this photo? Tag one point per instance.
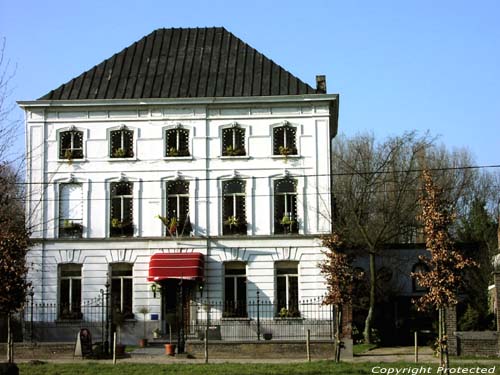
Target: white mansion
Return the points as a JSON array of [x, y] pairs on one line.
[[186, 156]]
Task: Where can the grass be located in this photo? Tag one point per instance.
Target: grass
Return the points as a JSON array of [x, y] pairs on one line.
[[313, 368]]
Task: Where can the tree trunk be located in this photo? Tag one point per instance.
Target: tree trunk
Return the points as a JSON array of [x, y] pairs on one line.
[[338, 332], [10, 346], [369, 318]]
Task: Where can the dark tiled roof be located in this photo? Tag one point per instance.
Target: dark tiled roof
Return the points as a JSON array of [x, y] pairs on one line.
[[181, 63]]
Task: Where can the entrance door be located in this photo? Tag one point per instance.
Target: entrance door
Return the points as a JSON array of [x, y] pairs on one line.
[[176, 297]]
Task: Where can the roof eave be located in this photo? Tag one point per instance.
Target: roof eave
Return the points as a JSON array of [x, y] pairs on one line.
[[179, 101]]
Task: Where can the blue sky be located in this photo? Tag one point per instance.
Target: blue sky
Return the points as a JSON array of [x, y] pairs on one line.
[[397, 65]]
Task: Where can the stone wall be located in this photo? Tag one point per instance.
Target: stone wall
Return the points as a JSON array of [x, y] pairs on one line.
[[476, 343]]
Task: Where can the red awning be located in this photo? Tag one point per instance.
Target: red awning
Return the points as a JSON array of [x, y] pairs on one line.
[[176, 266]]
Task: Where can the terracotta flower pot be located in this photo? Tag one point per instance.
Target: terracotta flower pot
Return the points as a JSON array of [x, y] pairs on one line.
[[170, 349], [143, 343]]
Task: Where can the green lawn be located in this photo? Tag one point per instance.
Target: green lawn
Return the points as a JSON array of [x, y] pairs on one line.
[[322, 367], [362, 348]]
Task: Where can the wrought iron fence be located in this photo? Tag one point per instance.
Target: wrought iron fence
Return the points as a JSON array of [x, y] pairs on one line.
[[259, 320]]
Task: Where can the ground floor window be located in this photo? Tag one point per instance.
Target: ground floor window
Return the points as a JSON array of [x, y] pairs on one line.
[[287, 289], [70, 291], [121, 289], [235, 289]]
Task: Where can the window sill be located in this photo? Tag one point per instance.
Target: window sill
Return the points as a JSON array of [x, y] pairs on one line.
[[226, 157], [122, 159], [285, 157], [171, 158], [73, 161]]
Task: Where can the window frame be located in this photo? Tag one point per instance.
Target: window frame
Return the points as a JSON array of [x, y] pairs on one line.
[[236, 308], [74, 312], [237, 151], [280, 226], [240, 227], [181, 222], [130, 153], [178, 129], [121, 278], [415, 288], [73, 229], [293, 150], [122, 227], [73, 132], [291, 306]]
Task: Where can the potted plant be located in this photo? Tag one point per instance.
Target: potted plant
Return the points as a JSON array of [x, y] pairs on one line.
[[156, 333], [234, 151], [68, 155], [171, 224], [170, 318], [287, 221], [232, 221], [285, 151], [144, 341], [120, 153], [172, 151]]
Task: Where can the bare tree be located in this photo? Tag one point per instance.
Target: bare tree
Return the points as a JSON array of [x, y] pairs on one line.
[[13, 233], [375, 189], [445, 263]]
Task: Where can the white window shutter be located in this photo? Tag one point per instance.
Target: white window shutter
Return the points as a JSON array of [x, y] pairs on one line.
[[71, 201]]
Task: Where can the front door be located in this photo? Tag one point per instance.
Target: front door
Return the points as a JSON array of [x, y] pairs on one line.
[[176, 297]]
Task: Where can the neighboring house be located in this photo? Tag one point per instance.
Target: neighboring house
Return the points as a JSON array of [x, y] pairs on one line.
[[187, 156]]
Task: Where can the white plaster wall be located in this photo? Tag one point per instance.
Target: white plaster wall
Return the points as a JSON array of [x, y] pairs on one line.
[[205, 169]]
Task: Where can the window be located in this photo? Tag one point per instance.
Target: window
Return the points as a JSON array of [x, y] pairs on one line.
[[121, 220], [70, 291], [287, 289], [70, 210], [235, 290], [233, 141], [121, 289], [419, 267], [284, 140], [122, 143], [233, 207], [285, 206], [177, 142], [71, 144], [177, 220]]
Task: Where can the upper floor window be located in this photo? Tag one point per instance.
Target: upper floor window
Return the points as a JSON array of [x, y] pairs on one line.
[[70, 210], [177, 220], [235, 289], [422, 268], [122, 143], [177, 142], [285, 206], [121, 218], [233, 207], [233, 141], [70, 291], [287, 289], [71, 144], [121, 289], [284, 140]]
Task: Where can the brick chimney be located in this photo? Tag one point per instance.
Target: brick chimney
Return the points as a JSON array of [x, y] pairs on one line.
[[321, 84]]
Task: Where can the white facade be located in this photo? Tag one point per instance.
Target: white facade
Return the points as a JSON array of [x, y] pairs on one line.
[[314, 119]]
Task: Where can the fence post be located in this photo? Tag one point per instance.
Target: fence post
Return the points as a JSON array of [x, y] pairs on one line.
[[308, 345], [258, 316], [32, 293], [416, 347], [107, 329], [206, 345]]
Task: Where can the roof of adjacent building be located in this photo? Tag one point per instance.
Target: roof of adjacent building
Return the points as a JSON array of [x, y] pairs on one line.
[[183, 63]]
